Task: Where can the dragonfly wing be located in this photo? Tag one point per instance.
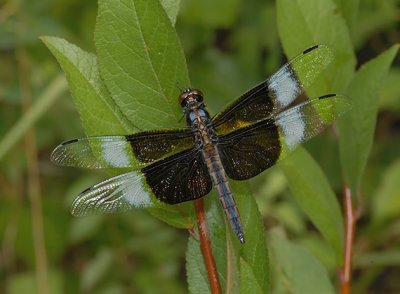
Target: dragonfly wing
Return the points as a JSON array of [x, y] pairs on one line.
[[277, 92], [250, 150], [117, 194], [131, 151]]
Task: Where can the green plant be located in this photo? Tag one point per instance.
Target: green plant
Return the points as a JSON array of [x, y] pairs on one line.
[[131, 85]]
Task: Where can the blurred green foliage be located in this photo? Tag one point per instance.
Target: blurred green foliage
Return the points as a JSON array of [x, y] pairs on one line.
[[229, 47]]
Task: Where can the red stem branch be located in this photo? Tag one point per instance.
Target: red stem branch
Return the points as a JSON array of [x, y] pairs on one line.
[[205, 246], [351, 217]]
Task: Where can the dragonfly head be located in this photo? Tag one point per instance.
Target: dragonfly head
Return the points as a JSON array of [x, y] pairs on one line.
[[190, 97]]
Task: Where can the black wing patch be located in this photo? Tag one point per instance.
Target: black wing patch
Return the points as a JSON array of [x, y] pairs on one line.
[[153, 145], [179, 178], [254, 105], [249, 151]]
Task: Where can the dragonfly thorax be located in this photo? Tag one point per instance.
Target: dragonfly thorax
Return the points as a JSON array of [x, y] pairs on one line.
[[197, 117], [192, 103]]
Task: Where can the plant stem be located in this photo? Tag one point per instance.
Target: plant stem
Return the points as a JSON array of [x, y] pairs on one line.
[[351, 217], [205, 246], [43, 102], [34, 190]]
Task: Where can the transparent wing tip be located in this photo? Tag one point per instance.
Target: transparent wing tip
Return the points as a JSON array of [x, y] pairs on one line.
[[340, 103]]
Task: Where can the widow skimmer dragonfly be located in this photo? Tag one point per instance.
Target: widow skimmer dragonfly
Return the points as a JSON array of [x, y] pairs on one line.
[[176, 165]]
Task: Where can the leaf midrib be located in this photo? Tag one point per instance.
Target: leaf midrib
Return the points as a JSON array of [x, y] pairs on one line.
[[149, 59]]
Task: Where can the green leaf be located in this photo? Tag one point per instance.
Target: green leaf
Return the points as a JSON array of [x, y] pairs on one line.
[[195, 270], [179, 215], [318, 247], [101, 114], [357, 127], [302, 24], [98, 111], [314, 195], [302, 272], [248, 281], [141, 61], [254, 252], [96, 269], [387, 197]]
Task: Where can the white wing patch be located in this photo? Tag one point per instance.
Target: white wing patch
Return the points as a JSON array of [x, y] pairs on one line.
[[136, 194], [293, 127], [116, 156], [285, 86]]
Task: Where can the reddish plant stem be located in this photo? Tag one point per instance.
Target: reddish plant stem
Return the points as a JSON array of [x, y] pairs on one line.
[[205, 246], [351, 217]]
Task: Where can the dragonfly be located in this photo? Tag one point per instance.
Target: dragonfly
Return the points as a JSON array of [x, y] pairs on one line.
[[171, 166]]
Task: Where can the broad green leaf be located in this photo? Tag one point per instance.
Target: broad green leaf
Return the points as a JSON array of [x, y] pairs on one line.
[[179, 216], [357, 127], [314, 195], [302, 24], [318, 247], [141, 61], [387, 197], [302, 272], [98, 111], [96, 269], [248, 281], [254, 252]]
